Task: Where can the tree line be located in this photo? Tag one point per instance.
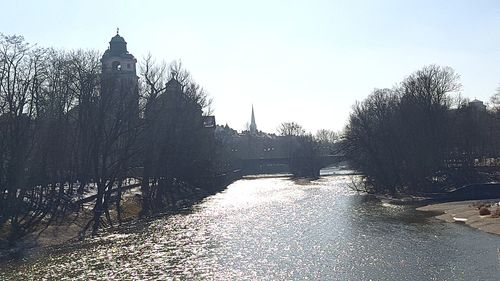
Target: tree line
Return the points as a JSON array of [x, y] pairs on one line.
[[67, 130], [305, 149], [420, 136]]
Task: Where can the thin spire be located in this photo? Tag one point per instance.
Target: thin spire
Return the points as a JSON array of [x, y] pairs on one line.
[[117, 30], [253, 125]]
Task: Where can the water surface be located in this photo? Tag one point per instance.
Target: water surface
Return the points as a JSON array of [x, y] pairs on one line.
[[278, 229]]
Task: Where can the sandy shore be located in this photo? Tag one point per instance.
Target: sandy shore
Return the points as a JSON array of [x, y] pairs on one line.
[[466, 212]]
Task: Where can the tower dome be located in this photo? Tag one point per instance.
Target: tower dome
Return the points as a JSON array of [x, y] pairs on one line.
[[116, 58], [117, 45], [117, 39]]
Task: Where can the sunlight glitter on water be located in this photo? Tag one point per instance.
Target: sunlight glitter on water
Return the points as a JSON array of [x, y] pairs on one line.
[[251, 193], [275, 229]]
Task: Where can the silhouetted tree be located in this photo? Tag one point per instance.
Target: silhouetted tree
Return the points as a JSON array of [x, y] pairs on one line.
[[290, 129], [326, 136], [67, 127], [180, 146], [304, 161], [22, 74], [327, 141], [302, 148], [495, 100], [372, 140], [400, 138]]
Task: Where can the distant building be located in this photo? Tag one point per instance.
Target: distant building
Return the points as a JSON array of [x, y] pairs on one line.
[[477, 105], [173, 86], [119, 78], [209, 122], [117, 60], [174, 100], [120, 85], [253, 125], [172, 109], [252, 143]]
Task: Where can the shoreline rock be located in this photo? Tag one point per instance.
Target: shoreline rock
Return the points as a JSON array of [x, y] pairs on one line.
[[465, 212]]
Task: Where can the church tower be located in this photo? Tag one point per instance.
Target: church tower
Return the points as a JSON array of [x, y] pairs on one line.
[[117, 60], [253, 126], [119, 78]]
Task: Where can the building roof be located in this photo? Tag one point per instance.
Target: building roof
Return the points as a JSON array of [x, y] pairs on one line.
[[117, 39], [173, 85], [118, 47]]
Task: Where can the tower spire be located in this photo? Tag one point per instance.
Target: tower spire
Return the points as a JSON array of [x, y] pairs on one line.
[[253, 126]]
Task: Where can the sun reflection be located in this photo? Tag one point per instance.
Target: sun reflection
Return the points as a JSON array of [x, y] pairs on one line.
[[259, 229]]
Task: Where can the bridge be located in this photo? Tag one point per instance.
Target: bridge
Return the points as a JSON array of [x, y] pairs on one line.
[[282, 164]]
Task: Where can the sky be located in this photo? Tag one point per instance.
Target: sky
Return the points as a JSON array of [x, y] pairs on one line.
[[303, 61]]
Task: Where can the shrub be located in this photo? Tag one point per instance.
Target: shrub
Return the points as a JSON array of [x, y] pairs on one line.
[[484, 211]]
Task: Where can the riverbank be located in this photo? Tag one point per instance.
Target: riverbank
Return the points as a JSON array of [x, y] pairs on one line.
[[68, 230], [467, 212]]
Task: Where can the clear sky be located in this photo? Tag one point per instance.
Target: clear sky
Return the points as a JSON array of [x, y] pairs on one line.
[[304, 61]]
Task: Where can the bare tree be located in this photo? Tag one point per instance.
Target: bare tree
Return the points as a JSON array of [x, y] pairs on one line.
[[290, 129], [192, 89], [22, 74], [176, 140], [401, 138], [495, 101], [154, 77], [115, 129], [326, 136]]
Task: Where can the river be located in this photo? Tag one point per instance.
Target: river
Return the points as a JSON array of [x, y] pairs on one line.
[[278, 229]]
